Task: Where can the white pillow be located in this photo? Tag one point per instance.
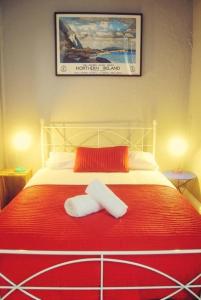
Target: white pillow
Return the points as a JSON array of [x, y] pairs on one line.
[[140, 160], [57, 155], [61, 160]]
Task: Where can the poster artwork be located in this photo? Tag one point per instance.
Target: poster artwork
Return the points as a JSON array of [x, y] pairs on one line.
[[98, 44]]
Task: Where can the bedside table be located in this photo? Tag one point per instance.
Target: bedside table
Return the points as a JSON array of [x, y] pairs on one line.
[[180, 178], [11, 183]]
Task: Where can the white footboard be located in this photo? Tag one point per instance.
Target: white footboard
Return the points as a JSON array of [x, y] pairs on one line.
[[102, 257]]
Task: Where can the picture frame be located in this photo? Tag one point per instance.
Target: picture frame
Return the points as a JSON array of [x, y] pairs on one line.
[[98, 44]]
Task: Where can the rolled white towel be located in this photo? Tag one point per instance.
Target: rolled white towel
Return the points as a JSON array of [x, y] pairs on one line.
[[81, 205], [106, 198]]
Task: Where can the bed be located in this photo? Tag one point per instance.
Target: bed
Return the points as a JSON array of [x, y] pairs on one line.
[[152, 252]]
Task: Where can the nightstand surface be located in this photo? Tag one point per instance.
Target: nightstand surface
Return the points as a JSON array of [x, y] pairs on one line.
[[179, 175], [12, 172]]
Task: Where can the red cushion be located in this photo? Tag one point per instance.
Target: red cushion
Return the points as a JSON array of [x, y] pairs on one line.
[[107, 159]]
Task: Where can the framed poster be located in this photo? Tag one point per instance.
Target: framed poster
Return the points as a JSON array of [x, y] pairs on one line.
[[98, 44]]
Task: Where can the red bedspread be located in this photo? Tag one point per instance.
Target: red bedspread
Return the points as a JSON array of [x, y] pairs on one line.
[[158, 218]]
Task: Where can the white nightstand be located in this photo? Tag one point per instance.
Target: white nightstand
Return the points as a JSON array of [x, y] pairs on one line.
[[180, 178]]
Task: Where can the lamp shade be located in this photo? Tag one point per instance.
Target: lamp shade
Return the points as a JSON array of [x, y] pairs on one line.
[[22, 140], [178, 146]]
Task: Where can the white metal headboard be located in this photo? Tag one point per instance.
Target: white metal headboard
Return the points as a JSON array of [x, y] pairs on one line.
[[63, 136]]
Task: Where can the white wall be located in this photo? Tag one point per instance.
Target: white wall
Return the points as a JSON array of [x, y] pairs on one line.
[[33, 91], [195, 94]]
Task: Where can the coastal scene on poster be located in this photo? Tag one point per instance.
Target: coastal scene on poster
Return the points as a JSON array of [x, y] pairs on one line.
[[98, 44]]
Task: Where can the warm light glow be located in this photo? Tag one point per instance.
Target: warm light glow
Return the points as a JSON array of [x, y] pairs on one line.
[[22, 141], [178, 146]]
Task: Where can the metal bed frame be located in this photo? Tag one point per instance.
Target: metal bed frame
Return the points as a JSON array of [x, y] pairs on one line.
[[102, 257], [67, 142], [63, 136]]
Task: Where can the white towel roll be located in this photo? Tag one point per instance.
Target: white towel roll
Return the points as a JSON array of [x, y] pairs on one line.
[[81, 205], [106, 198]]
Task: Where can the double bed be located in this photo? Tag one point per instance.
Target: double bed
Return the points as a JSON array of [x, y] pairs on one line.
[[151, 252]]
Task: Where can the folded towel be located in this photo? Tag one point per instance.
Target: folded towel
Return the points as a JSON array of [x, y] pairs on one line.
[[106, 198], [81, 205]]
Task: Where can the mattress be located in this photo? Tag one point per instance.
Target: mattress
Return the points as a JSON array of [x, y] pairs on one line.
[[68, 176]]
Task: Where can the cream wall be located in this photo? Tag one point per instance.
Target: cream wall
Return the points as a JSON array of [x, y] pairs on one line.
[[33, 91], [195, 94], [1, 96]]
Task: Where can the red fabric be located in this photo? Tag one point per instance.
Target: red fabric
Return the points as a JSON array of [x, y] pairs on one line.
[[107, 159], [158, 218]]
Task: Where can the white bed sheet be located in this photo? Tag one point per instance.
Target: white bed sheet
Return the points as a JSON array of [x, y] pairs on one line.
[[68, 176]]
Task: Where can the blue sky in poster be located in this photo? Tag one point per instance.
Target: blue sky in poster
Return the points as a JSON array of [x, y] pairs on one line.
[[99, 24], [103, 32]]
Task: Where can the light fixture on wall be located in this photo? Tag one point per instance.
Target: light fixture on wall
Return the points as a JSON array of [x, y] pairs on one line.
[[21, 141], [178, 147]]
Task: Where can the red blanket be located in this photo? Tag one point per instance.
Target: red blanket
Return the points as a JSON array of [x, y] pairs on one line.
[[158, 218]]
